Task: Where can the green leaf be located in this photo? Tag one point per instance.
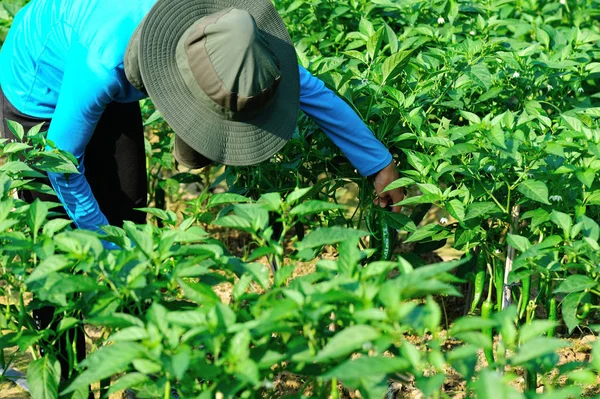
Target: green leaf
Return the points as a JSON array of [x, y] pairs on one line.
[[66, 323], [226, 198], [314, 206], [586, 176], [427, 231], [536, 348], [490, 384], [200, 293], [116, 320], [297, 195], [129, 380], [460, 149], [456, 209], [535, 329], [16, 129], [54, 226], [576, 283], [538, 217], [518, 242], [367, 367], [572, 122], [259, 272], [471, 117], [346, 342], [472, 323], [329, 235], [569, 307], [48, 266], [534, 190], [272, 201], [481, 209], [11, 148], [43, 377], [106, 362], [419, 199], [146, 366], [481, 75], [392, 65], [38, 211], [563, 221], [141, 238], [129, 334], [402, 182]]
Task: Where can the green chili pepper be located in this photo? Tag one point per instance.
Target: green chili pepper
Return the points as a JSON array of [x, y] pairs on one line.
[[388, 238], [525, 293], [585, 311], [486, 313], [530, 380], [552, 315], [479, 281], [499, 284]]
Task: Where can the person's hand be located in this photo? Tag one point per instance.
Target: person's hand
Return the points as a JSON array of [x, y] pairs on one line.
[[383, 179]]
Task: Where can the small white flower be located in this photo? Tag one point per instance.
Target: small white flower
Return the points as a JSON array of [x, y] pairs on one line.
[[490, 168], [556, 198], [443, 221], [580, 90], [498, 251], [516, 75], [549, 87], [472, 33], [563, 2], [441, 20], [530, 175]]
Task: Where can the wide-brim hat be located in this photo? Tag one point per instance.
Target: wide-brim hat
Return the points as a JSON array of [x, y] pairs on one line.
[[201, 126]]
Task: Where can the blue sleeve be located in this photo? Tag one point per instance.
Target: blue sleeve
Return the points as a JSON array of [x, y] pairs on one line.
[[84, 95], [342, 125]]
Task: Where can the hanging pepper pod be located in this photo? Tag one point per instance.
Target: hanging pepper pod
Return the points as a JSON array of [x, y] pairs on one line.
[[499, 284], [486, 313], [552, 315], [479, 282], [525, 294], [388, 237]]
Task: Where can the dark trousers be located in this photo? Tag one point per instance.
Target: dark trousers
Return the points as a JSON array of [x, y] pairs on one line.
[[115, 167]]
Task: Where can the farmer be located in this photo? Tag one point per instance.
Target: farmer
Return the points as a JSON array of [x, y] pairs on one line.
[[223, 73]]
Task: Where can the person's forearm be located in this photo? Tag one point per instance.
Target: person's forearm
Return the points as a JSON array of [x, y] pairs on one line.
[[345, 128], [76, 196]]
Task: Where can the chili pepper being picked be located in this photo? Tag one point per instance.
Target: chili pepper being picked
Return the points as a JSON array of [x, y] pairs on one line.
[[383, 236], [388, 237]]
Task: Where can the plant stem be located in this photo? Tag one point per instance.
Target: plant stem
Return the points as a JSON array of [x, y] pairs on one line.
[[510, 255]]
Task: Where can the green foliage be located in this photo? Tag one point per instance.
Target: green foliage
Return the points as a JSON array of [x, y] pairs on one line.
[[491, 110], [353, 320]]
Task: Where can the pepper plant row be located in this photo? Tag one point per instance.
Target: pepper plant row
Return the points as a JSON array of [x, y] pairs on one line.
[[355, 322]]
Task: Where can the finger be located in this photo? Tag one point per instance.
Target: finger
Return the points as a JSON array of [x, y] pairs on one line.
[[397, 196], [383, 201]]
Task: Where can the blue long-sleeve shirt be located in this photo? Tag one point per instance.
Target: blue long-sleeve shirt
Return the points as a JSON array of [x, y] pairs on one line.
[[63, 60]]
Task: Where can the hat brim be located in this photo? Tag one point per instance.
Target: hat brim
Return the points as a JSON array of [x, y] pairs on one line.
[[223, 141]]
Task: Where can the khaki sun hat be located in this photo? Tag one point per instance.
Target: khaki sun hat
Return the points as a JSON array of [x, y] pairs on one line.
[[224, 75]]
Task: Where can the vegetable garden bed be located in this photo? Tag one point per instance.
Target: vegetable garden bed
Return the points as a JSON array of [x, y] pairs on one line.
[[491, 110]]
